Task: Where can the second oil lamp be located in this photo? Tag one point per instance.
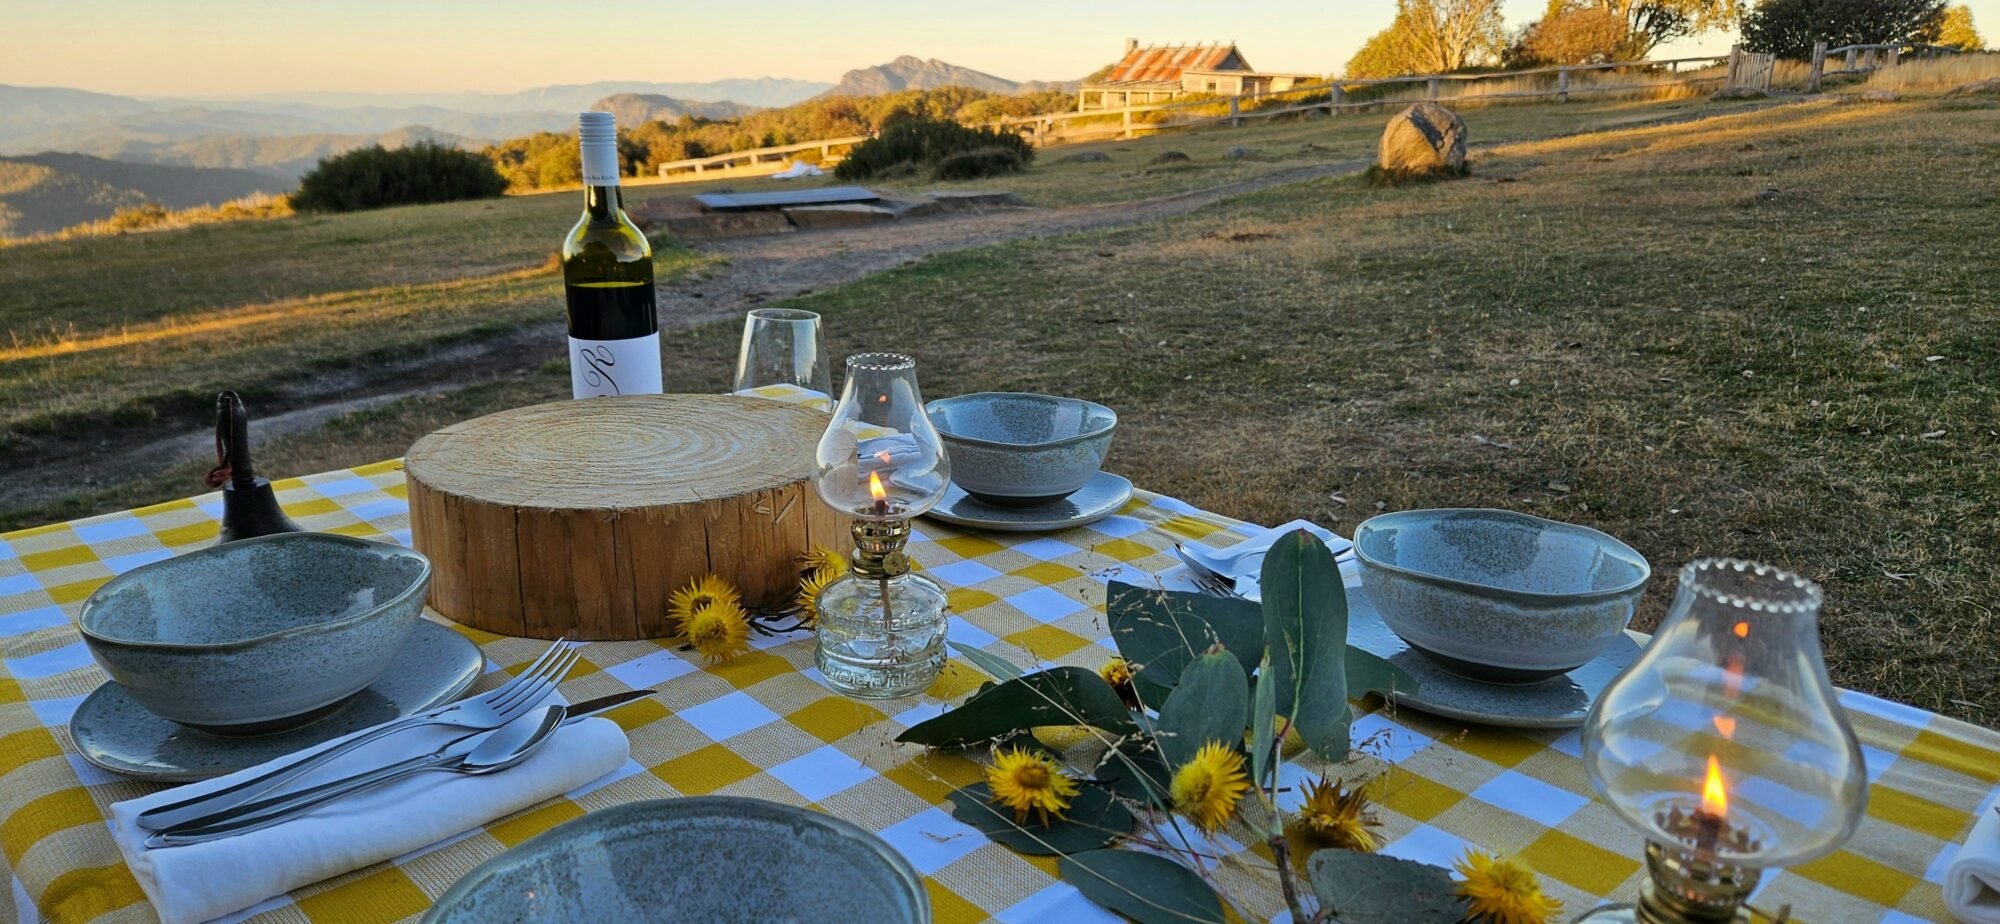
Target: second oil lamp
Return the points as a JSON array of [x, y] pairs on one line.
[[1725, 746]]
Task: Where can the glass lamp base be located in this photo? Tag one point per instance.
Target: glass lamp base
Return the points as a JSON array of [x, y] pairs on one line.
[[869, 653], [1636, 914]]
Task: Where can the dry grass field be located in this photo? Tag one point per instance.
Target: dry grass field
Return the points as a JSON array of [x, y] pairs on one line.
[[1772, 333]]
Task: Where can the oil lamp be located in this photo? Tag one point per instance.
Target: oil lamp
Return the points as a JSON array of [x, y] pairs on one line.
[[1725, 746], [881, 629]]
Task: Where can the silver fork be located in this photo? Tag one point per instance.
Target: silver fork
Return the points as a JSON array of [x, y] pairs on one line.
[[1206, 580], [492, 709]]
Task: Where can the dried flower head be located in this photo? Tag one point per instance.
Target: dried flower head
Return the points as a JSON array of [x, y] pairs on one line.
[[1339, 817], [825, 560], [809, 590], [1207, 788], [702, 591], [719, 630], [1500, 892], [1025, 781]]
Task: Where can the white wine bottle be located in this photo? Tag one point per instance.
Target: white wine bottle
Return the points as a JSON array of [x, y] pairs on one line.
[[614, 327]]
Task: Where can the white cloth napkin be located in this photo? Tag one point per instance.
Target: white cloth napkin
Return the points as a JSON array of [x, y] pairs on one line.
[[1244, 561], [1972, 881], [198, 882]]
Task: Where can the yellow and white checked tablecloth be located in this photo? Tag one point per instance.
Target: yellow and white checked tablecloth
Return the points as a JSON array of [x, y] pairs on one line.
[[764, 725]]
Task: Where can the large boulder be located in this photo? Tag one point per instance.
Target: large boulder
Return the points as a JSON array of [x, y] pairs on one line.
[[1423, 139], [1990, 85]]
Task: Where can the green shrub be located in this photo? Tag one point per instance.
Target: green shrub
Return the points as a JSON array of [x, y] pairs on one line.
[[951, 151], [374, 177]]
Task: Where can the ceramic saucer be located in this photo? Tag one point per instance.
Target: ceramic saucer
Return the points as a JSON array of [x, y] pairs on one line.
[[1099, 497], [1559, 702], [116, 733]]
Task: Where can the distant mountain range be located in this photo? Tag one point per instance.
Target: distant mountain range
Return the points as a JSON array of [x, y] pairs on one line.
[[48, 192], [635, 109], [762, 92]]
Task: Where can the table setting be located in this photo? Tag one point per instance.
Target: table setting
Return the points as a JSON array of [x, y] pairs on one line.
[[792, 651]]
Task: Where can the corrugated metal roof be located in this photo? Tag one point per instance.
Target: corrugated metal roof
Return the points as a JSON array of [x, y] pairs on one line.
[[1165, 62]]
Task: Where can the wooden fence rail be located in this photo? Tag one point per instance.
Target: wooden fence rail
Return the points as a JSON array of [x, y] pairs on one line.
[[753, 156], [1860, 59], [1331, 97]]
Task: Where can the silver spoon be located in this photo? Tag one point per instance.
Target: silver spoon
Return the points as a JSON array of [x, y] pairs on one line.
[[472, 755]]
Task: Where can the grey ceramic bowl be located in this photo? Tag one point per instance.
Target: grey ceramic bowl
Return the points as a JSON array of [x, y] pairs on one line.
[[1499, 596], [260, 634], [714, 859], [1014, 449]]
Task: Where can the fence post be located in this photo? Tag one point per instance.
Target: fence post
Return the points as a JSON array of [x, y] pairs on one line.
[[1128, 123], [1562, 85], [1334, 100], [1818, 67], [1431, 89], [1895, 56], [1734, 76], [1234, 111]]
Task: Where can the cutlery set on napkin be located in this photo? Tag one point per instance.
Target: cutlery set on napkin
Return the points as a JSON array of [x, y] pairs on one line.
[[210, 848], [1235, 571]]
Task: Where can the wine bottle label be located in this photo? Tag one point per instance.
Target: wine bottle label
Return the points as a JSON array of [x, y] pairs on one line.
[[600, 368]]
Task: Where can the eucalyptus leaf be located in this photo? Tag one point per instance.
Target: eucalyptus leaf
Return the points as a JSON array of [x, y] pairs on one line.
[[1371, 888], [1263, 726], [1161, 631], [987, 661], [1057, 696], [1136, 771], [1305, 625], [1145, 887], [1093, 820], [1371, 673], [1211, 704]]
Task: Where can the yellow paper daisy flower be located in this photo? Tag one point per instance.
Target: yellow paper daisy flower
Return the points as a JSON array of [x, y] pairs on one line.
[[1500, 892], [809, 589], [719, 630], [1339, 817], [824, 560], [1025, 781], [1118, 673], [1207, 788], [702, 591]]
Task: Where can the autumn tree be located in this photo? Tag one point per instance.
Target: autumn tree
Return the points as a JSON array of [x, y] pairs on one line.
[[1955, 29], [1433, 37], [1788, 28], [1572, 32]]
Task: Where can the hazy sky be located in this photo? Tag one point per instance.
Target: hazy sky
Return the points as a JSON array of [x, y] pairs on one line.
[[215, 47]]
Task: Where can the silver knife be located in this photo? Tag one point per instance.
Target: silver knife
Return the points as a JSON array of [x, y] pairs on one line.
[[270, 811]]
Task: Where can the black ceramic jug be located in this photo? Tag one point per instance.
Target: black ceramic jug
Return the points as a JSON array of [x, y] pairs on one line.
[[249, 506]]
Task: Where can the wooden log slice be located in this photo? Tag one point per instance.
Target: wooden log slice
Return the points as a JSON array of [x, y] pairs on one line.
[[579, 518]]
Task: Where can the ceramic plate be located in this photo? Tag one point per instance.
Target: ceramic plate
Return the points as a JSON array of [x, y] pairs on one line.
[[1559, 702], [119, 735], [658, 861], [1098, 498]]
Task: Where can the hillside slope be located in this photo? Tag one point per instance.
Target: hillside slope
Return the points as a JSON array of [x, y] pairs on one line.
[[49, 192], [283, 156]]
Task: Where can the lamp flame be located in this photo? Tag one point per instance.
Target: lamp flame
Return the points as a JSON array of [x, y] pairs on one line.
[[875, 488], [1714, 798]]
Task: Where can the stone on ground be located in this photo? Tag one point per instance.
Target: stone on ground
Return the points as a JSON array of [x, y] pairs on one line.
[[1989, 85], [1425, 138], [1239, 152], [845, 215], [1727, 93], [1086, 157], [1171, 157], [1880, 96]]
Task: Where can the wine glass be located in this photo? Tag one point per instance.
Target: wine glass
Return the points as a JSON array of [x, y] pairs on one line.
[[783, 357]]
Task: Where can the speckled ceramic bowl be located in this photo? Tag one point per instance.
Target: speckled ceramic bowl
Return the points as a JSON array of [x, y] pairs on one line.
[[1499, 596], [1020, 450], [713, 859], [257, 635]]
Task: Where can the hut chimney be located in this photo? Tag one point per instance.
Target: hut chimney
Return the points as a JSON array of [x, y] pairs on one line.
[[1131, 45]]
